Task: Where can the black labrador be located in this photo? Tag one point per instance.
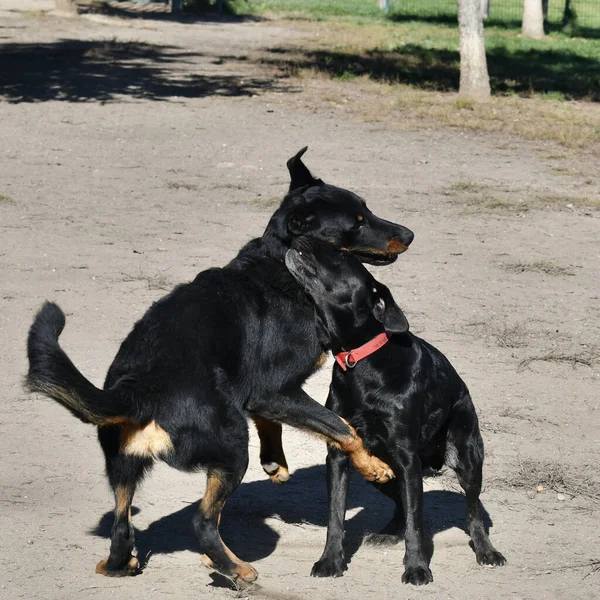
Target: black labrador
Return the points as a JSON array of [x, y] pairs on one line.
[[237, 341], [402, 396]]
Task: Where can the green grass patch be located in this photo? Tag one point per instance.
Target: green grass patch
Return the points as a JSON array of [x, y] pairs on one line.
[[7, 200], [421, 44]]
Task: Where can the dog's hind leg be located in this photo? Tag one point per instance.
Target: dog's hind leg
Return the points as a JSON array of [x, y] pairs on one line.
[[464, 453], [220, 484], [272, 457], [392, 532], [124, 473]]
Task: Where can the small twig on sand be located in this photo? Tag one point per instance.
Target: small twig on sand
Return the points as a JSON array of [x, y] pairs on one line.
[[593, 563], [573, 359]]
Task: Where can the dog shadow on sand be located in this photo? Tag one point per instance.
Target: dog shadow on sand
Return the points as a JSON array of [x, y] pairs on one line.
[[301, 501]]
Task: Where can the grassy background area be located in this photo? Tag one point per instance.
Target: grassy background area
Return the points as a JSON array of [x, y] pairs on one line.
[[406, 65], [502, 12], [418, 45]]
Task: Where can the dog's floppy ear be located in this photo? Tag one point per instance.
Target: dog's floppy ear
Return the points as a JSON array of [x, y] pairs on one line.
[[300, 222], [386, 311], [299, 174]]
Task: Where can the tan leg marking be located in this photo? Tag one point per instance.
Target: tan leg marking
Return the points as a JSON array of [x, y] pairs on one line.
[[123, 502], [369, 466], [132, 567], [212, 507]]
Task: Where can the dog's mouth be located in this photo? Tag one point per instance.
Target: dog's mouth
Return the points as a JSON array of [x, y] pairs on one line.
[[377, 257], [373, 258]]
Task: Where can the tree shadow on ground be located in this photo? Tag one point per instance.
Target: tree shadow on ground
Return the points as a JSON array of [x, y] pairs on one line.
[[451, 20], [523, 72], [104, 71], [302, 503]]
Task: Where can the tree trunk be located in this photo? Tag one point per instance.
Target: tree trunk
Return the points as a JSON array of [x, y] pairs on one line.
[[474, 78], [533, 19], [66, 7], [485, 9]]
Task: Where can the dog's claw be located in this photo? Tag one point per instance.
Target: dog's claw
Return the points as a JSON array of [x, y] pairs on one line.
[[381, 473], [492, 557]]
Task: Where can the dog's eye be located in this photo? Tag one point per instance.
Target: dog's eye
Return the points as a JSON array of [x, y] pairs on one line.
[[360, 221]]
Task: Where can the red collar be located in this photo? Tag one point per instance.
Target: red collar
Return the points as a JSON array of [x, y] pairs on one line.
[[348, 360]]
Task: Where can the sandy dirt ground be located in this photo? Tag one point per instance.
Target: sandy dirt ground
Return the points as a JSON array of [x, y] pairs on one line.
[[118, 181]]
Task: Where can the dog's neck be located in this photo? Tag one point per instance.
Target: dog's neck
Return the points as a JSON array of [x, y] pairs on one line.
[[273, 245], [349, 338]]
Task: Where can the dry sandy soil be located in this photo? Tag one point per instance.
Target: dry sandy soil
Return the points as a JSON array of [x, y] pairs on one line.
[[128, 167]]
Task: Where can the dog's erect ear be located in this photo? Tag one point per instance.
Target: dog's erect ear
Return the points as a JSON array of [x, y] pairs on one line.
[[300, 222], [299, 174], [386, 311]]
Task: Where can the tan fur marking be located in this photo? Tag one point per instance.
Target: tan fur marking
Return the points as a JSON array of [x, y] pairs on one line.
[[206, 560], [321, 360], [117, 421], [122, 501], [148, 441], [67, 398], [101, 567], [395, 246], [210, 505], [369, 466], [132, 567]]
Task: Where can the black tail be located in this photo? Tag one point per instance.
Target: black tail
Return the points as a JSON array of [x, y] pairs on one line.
[[52, 373]]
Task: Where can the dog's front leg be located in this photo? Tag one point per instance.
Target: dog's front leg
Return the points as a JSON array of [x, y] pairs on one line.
[[298, 409], [272, 457], [333, 562], [416, 567]]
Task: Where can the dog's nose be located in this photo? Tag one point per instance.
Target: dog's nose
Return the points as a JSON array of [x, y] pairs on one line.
[[407, 236]]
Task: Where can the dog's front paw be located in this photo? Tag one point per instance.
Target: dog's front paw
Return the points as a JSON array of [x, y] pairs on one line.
[[329, 567], [376, 470], [130, 569], [490, 557], [278, 473], [417, 575]]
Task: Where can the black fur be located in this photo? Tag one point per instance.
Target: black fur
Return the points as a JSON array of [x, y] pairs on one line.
[[237, 341], [405, 400]]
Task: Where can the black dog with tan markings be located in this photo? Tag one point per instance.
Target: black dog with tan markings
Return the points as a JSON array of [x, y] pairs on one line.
[[238, 341], [402, 396]]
